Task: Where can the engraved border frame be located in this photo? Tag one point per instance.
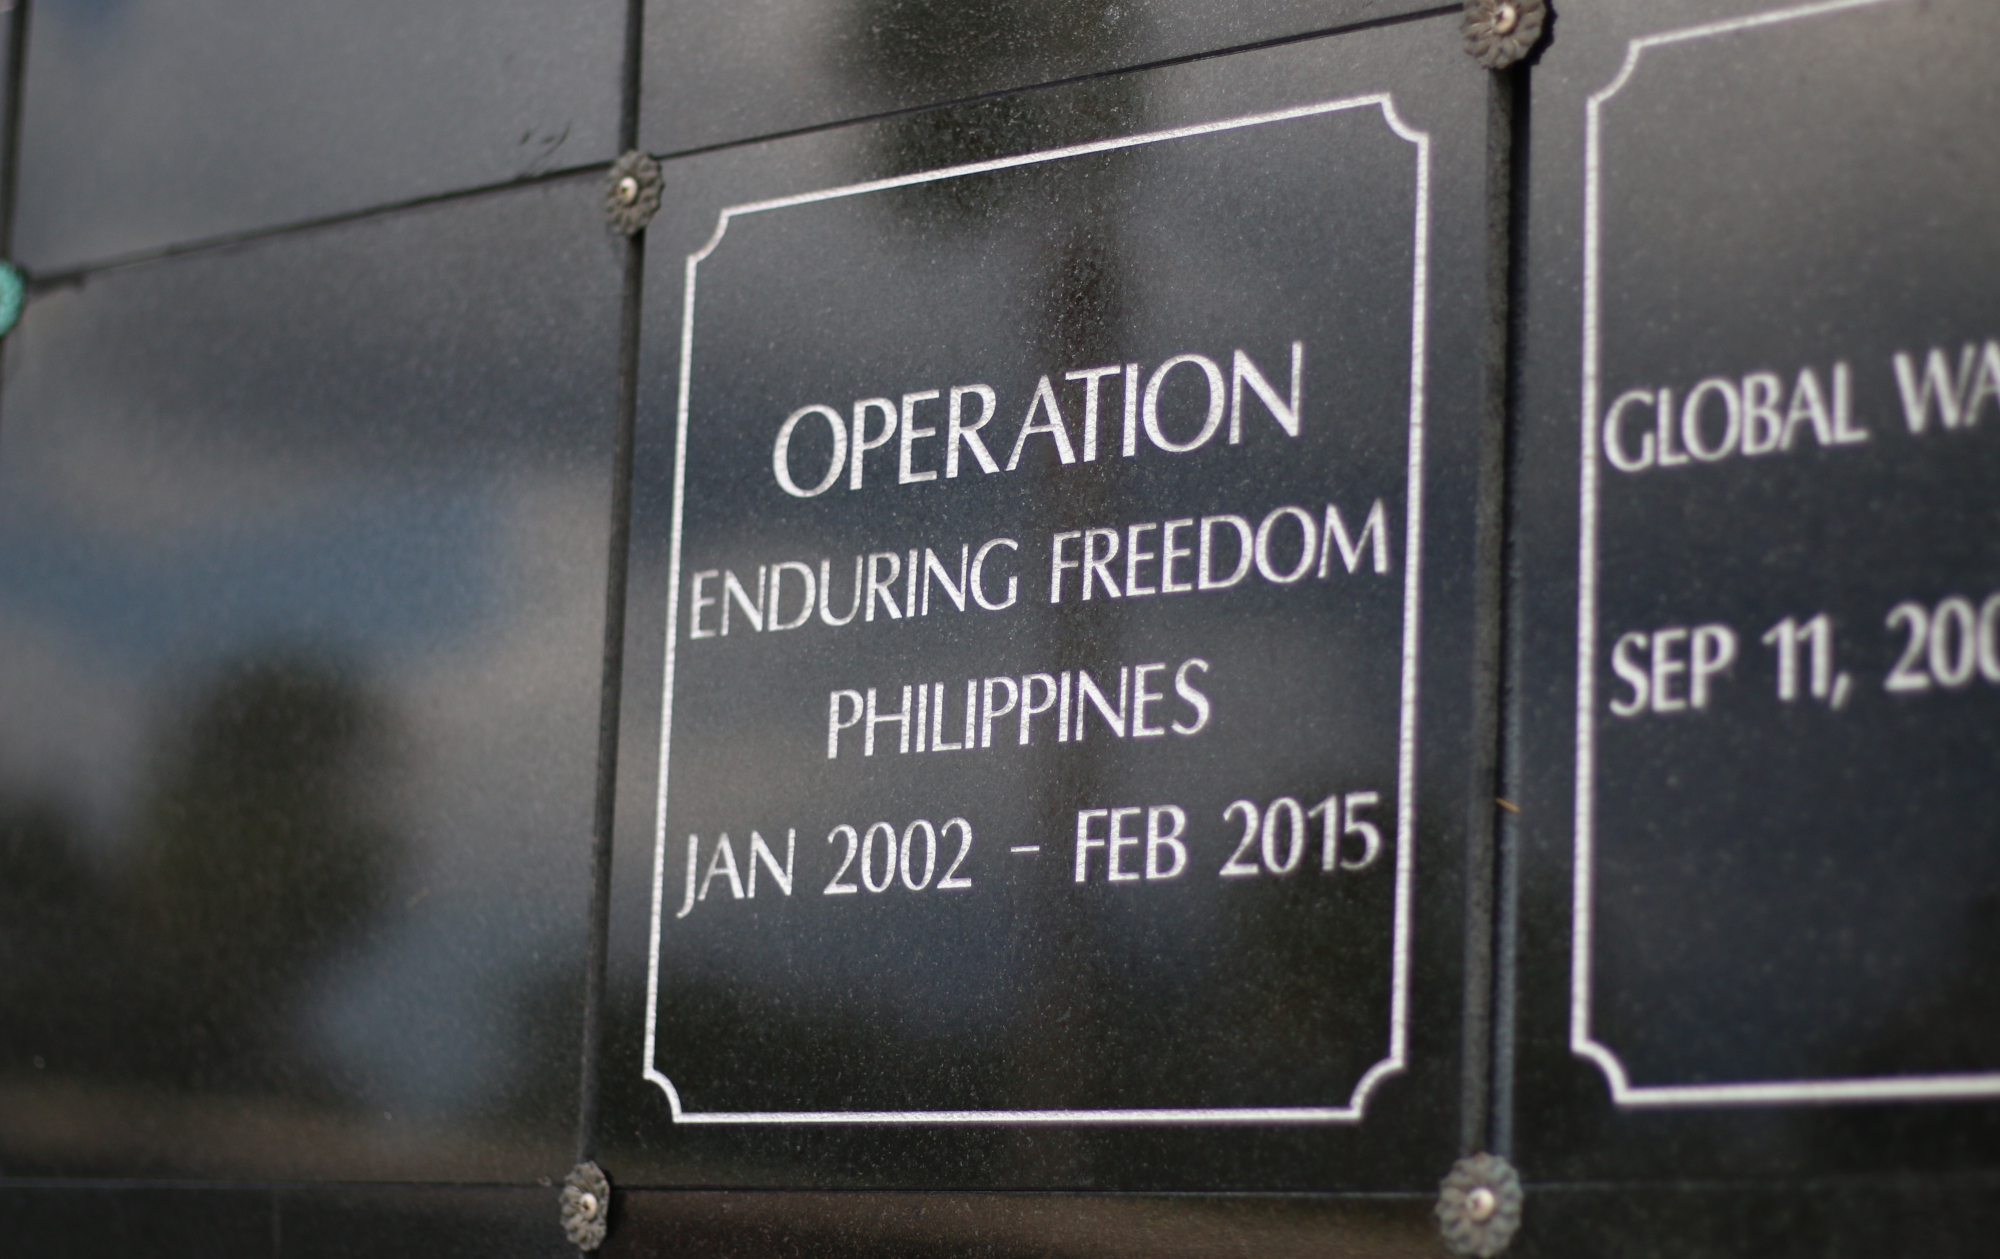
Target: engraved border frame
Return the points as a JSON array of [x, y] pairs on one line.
[[1396, 1059], [1581, 1040]]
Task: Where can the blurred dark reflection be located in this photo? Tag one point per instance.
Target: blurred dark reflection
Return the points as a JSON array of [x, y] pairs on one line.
[[1078, 280], [717, 73], [259, 856], [926, 50], [263, 853], [932, 50], [301, 578]]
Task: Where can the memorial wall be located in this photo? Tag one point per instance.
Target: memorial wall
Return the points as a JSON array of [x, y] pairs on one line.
[[872, 626]]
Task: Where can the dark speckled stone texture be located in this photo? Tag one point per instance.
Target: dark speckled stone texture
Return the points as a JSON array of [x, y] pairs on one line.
[[301, 560]]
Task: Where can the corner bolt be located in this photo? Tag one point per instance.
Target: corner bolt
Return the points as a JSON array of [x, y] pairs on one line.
[[1499, 33], [586, 1206], [632, 196], [1479, 1206]]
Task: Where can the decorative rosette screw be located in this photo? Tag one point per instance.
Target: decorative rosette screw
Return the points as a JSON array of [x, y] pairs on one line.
[[632, 195], [1479, 1206], [586, 1206], [1499, 33]]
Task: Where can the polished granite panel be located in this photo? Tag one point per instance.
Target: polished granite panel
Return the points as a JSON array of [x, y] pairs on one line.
[[101, 1221], [1003, 1226], [718, 73], [118, 1221], [987, 1008], [148, 125], [443, 1222], [1931, 1217], [435, 1221], [1757, 449], [302, 549]]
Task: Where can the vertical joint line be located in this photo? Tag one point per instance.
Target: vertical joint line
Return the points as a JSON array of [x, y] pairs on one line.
[[609, 697], [1482, 882], [10, 139], [628, 94], [1507, 740], [10, 127], [616, 570]]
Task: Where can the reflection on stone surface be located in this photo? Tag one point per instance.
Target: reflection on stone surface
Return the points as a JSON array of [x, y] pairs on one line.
[[264, 853], [722, 73], [258, 856], [149, 124], [301, 579], [903, 51]]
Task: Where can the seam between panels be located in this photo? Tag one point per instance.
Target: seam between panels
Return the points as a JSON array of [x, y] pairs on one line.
[[78, 273], [630, 72], [612, 678], [604, 810], [10, 139], [1507, 741], [10, 136], [1481, 869]]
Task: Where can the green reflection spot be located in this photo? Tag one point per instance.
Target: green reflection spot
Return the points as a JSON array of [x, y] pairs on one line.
[[12, 289]]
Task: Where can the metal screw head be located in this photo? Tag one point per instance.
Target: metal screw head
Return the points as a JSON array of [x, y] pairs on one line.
[[586, 1203], [632, 193], [1480, 1205], [1498, 33]]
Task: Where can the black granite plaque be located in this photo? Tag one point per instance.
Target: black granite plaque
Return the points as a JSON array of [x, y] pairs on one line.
[[1783, 646], [1047, 494], [1135, 659]]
